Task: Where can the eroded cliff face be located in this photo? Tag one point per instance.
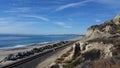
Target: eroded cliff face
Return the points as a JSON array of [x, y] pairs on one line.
[[101, 43], [107, 29], [96, 33]]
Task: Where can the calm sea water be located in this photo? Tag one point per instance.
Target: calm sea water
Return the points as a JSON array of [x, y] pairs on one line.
[[12, 41]]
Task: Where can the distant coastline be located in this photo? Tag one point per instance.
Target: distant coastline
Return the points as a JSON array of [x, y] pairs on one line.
[[43, 34]]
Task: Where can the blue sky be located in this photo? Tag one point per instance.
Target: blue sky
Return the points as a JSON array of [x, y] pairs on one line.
[[54, 16]]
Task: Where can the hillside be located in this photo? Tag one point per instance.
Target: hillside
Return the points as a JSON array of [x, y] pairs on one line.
[[100, 48], [107, 29]]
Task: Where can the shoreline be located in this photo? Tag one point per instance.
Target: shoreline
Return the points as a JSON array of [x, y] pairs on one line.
[[37, 44], [12, 45], [6, 52], [25, 45]]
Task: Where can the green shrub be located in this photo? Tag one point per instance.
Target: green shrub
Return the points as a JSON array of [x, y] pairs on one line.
[[92, 54], [70, 65], [75, 62]]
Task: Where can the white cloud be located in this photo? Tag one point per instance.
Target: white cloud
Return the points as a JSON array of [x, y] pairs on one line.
[[72, 5], [107, 3], [63, 24], [60, 23], [97, 20], [38, 17], [19, 9], [46, 19]]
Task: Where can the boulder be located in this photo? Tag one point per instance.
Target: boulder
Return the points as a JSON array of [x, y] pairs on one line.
[[76, 50], [83, 46]]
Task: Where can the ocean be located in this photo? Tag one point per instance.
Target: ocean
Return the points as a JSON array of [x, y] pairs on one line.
[[13, 41]]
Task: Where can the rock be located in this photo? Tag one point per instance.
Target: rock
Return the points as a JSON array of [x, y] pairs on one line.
[[74, 53], [105, 48], [68, 58], [76, 49], [116, 20], [96, 33], [54, 65], [83, 45]]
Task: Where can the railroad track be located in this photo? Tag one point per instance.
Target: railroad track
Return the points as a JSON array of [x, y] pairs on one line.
[[27, 59]]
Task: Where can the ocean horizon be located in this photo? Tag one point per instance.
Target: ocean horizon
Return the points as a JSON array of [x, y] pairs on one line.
[[14, 40]]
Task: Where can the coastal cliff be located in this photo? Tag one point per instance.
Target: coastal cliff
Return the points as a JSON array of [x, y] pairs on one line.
[[100, 49], [107, 29]]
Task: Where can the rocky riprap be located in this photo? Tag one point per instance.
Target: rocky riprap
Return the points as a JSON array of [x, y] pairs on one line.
[[21, 55]]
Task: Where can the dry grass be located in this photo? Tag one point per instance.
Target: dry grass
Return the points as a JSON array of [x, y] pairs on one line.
[[74, 62], [116, 48], [113, 62], [61, 59], [106, 63]]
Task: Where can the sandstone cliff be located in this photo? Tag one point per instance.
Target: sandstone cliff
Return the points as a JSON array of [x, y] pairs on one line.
[[107, 29]]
